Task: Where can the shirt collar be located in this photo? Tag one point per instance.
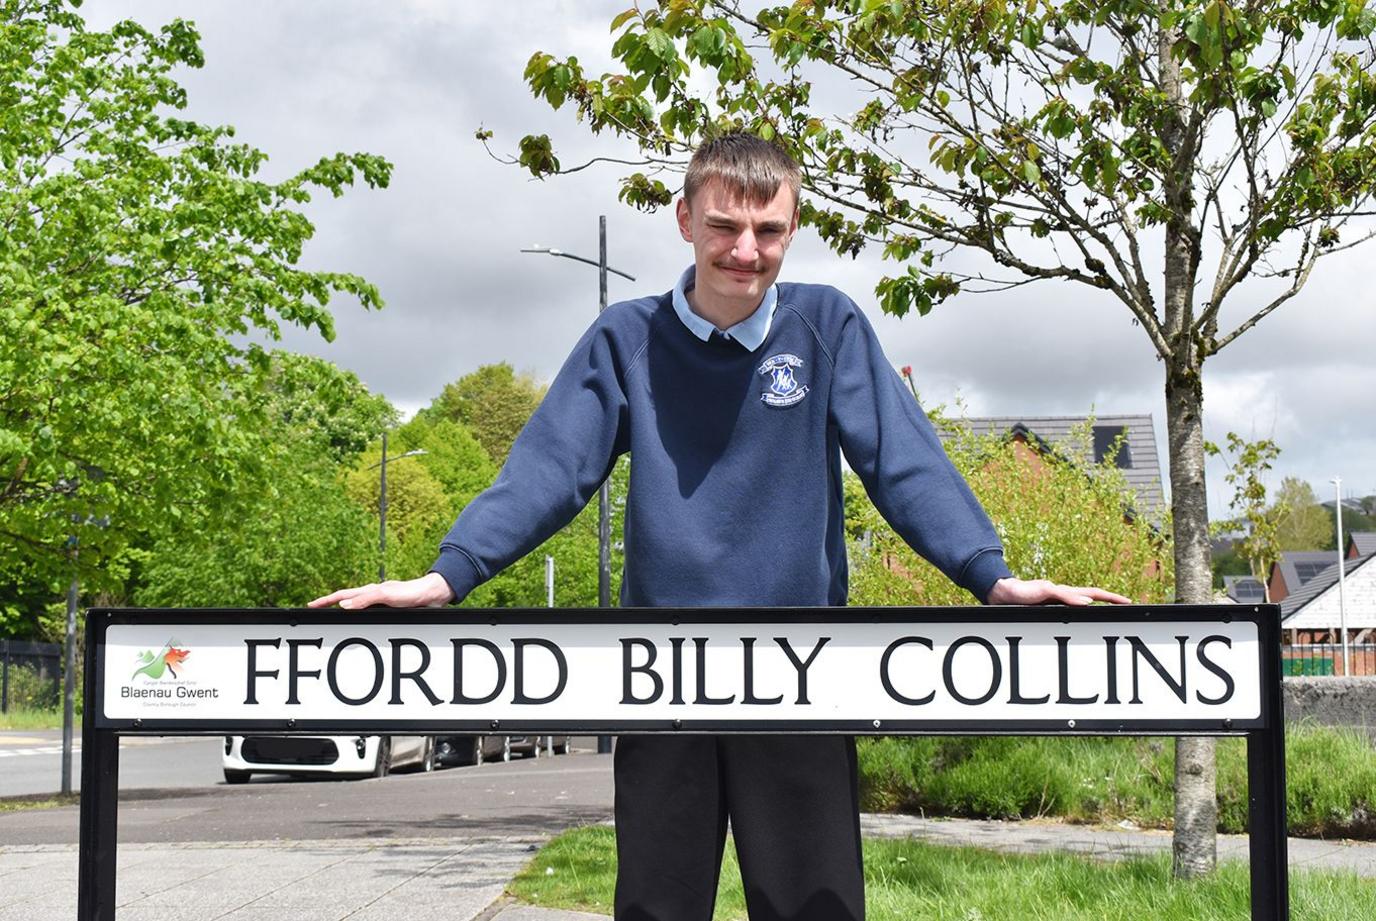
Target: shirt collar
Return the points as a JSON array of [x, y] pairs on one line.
[[750, 332]]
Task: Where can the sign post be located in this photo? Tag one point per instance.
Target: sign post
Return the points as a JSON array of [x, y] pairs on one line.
[[1133, 670]]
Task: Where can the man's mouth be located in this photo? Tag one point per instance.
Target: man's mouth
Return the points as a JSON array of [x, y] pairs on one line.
[[739, 273]]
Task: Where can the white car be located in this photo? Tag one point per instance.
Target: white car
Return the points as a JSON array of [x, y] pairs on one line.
[[347, 756]]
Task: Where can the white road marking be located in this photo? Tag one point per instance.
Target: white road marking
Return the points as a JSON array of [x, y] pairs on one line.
[[56, 749], [46, 750]]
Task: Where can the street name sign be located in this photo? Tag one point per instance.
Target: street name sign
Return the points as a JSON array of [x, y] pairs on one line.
[[856, 670], [1141, 670]]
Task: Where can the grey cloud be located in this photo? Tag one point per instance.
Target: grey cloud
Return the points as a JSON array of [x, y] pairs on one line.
[[411, 81]]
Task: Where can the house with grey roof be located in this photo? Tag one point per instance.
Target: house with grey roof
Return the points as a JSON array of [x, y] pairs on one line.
[[1244, 589], [1360, 543], [1314, 613], [1137, 457], [1295, 568]]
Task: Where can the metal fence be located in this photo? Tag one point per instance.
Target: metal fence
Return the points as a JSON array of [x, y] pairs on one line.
[[1327, 658], [30, 675]]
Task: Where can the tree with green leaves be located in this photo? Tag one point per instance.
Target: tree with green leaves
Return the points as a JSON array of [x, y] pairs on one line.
[[137, 250], [283, 528], [276, 540], [419, 512], [1248, 462], [1302, 523], [575, 552], [493, 402], [328, 407], [1060, 518], [453, 456], [1176, 158], [425, 492], [1354, 519]]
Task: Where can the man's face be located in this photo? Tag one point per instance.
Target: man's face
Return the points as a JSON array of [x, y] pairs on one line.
[[738, 246]]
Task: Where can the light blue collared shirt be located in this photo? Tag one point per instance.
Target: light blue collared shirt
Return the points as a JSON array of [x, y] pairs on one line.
[[750, 332]]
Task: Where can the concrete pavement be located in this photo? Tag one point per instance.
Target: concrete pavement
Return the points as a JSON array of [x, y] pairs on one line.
[[280, 881], [464, 877], [1036, 837]]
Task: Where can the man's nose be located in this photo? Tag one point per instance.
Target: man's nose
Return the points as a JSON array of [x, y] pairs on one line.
[[746, 247]]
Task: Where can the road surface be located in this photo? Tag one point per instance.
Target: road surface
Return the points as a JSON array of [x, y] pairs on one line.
[[31, 762], [523, 797]]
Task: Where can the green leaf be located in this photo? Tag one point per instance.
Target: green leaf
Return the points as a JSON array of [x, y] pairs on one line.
[[142, 264], [537, 155], [660, 45]]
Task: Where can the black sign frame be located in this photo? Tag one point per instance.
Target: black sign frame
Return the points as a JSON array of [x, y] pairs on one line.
[[1265, 736]]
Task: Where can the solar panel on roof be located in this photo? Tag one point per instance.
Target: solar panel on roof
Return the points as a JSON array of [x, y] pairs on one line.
[[1104, 436], [1307, 571]]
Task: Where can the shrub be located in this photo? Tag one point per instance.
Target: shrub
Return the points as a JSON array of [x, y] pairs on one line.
[[1330, 774], [32, 688]]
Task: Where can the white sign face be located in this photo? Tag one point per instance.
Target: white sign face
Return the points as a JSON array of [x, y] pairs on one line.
[[727, 674]]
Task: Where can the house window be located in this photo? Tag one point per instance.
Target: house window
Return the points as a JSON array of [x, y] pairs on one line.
[[1104, 436]]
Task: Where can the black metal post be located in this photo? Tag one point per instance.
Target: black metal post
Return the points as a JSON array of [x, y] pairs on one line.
[[1267, 827], [5, 678], [99, 794], [604, 501], [69, 676], [382, 515]]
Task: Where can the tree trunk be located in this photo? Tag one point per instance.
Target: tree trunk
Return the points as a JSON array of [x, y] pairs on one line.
[[1196, 806]]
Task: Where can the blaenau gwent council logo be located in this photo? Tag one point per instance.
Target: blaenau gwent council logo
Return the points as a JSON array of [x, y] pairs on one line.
[[165, 662]]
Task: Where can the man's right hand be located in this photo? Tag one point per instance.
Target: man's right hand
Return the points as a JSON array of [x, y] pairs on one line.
[[429, 591]]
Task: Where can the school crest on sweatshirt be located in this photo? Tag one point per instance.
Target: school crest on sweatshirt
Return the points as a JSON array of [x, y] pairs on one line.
[[783, 387]]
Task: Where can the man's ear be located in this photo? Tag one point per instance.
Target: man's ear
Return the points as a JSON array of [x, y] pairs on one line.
[[792, 229], [685, 220]]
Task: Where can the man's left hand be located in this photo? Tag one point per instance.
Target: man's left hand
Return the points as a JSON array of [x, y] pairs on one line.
[[1044, 591]]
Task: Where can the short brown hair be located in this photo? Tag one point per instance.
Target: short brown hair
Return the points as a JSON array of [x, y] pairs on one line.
[[747, 165]]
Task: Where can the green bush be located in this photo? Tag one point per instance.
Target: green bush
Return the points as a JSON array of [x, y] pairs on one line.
[[1330, 783], [1331, 779], [33, 689]]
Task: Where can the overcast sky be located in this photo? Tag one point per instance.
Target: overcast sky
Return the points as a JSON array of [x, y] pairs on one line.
[[413, 80]]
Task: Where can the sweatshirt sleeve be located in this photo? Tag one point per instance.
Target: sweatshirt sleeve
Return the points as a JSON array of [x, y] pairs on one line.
[[555, 465], [890, 443]]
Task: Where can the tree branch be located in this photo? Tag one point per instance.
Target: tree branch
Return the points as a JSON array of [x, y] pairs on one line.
[[1304, 265]]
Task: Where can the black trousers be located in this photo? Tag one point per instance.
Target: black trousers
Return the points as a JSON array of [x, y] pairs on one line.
[[794, 813]]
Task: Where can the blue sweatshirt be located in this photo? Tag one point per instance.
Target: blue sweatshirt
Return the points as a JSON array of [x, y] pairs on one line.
[[735, 481]]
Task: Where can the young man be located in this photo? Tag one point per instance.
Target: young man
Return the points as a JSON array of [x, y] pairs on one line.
[[735, 396]]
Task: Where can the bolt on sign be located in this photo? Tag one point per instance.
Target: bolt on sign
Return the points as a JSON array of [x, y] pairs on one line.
[[840, 670]]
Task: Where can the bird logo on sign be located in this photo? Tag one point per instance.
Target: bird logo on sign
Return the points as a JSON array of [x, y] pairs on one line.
[[168, 659]]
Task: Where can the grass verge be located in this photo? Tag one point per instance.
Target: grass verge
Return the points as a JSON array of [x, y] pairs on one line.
[[908, 879], [1330, 779], [38, 801], [33, 719]]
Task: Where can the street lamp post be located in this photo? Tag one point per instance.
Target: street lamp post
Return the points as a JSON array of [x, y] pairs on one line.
[[69, 674], [69, 652], [604, 502], [1337, 482], [382, 504]]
